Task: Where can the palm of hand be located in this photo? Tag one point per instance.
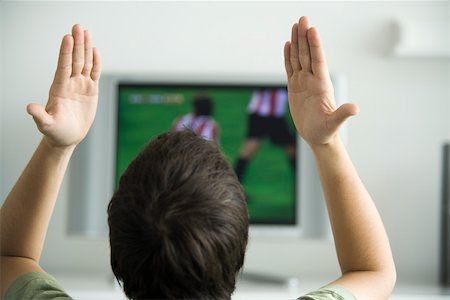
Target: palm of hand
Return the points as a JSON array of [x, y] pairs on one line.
[[72, 105], [310, 91], [73, 96], [311, 103]]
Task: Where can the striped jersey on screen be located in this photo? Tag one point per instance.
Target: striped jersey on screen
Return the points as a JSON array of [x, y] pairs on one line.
[[204, 126], [268, 102]]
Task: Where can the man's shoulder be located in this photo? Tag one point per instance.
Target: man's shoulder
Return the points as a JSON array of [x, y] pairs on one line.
[[36, 285], [329, 292]]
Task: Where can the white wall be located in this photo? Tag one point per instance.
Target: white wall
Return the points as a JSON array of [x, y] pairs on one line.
[[395, 141]]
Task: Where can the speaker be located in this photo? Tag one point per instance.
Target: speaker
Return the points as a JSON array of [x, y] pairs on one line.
[[444, 276]]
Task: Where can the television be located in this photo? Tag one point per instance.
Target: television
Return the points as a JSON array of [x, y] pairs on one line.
[[147, 109], [284, 196]]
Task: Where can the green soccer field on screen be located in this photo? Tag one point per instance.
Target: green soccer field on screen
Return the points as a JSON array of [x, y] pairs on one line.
[[145, 111]]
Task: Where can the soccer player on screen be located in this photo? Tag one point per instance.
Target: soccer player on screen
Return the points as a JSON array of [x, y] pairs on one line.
[[266, 118], [200, 121]]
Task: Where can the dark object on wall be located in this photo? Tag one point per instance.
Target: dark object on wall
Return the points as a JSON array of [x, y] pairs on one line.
[[444, 276]]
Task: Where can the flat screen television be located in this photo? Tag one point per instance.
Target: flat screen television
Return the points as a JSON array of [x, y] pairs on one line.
[[145, 110]]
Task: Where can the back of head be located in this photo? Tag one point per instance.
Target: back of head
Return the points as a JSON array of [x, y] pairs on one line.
[[178, 222]]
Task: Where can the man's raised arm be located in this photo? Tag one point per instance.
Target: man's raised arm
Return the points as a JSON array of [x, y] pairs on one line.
[[65, 121], [362, 245]]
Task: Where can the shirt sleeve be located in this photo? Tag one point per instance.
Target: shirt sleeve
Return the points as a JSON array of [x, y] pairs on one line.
[[330, 292], [36, 285]]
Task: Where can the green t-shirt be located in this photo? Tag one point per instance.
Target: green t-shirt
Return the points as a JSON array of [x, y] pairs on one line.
[[330, 292], [42, 286], [36, 285]]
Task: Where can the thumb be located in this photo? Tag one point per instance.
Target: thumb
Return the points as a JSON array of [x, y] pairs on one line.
[[39, 114], [343, 113]]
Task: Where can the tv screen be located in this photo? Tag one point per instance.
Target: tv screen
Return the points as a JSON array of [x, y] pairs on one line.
[[234, 116]]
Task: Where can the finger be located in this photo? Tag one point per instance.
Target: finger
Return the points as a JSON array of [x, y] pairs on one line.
[[40, 116], [287, 60], [318, 61], [295, 63], [97, 65], [88, 53], [78, 50], [305, 57], [342, 113], [64, 68]]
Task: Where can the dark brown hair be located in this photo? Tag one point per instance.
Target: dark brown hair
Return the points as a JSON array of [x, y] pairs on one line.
[[178, 222]]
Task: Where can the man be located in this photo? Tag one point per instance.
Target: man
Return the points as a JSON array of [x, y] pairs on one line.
[[168, 247]]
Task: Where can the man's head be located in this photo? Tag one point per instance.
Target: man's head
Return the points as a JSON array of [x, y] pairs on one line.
[[178, 221]]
